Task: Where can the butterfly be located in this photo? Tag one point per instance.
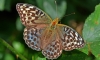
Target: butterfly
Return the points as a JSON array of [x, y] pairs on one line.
[[41, 33]]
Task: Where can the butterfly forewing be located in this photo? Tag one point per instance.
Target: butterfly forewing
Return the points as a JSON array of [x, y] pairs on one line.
[[32, 16], [70, 39]]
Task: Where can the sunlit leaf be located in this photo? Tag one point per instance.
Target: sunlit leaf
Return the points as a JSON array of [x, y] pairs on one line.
[[91, 32], [50, 7], [19, 26], [2, 3], [9, 57], [18, 46]]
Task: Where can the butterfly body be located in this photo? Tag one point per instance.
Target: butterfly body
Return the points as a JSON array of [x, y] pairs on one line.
[[46, 35]]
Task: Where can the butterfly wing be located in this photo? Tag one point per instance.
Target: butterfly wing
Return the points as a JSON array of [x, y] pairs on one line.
[[54, 49], [48, 43], [36, 21], [70, 38], [32, 37], [38, 34], [32, 16]]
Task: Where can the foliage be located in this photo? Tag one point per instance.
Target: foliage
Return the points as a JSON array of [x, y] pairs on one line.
[[13, 47]]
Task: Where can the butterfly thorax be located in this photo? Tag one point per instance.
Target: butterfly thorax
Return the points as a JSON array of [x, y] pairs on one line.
[[54, 23], [49, 33]]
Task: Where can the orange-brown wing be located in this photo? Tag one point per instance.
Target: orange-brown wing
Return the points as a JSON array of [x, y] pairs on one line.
[[32, 37], [54, 48], [36, 21], [32, 16], [69, 37]]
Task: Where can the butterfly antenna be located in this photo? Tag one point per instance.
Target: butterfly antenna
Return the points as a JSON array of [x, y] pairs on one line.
[[69, 14], [56, 8]]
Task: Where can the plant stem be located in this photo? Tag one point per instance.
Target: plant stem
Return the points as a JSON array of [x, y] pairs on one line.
[[12, 49]]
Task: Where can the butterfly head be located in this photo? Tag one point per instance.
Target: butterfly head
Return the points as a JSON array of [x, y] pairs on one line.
[[54, 23]]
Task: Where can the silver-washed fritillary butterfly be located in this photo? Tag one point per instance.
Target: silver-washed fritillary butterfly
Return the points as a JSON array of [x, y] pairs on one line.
[[43, 33]]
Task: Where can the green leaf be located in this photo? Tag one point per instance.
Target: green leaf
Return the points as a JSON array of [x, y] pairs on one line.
[[9, 57], [19, 25], [73, 55], [91, 32], [4, 43], [41, 58], [18, 46], [8, 5], [36, 57], [49, 7], [40, 4], [2, 3]]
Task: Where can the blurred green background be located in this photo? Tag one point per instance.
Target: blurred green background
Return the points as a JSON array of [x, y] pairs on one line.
[[11, 29]]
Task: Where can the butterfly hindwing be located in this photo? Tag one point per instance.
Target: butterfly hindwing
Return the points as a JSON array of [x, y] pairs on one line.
[[32, 37], [70, 38], [54, 49]]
